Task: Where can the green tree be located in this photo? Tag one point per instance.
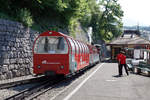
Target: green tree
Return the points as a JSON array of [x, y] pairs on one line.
[[110, 20], [104, 16]]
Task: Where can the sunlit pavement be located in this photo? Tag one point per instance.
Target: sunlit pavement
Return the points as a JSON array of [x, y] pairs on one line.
[[105, 85]]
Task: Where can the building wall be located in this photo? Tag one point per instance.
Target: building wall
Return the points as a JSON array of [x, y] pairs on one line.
[[116, 48]]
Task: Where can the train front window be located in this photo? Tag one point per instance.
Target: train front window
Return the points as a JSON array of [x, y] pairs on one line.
[[51, 45]]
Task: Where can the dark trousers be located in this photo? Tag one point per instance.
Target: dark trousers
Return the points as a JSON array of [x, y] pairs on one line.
[[120, 69]]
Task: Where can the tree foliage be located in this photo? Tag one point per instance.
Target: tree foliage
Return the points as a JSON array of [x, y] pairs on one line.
[[104, 16], [111, 18], [107, 21]]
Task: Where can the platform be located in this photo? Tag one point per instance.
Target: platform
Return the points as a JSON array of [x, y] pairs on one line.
[[104, 84]]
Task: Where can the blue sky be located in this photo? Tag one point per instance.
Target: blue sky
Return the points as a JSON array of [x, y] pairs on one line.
[[136, 12]]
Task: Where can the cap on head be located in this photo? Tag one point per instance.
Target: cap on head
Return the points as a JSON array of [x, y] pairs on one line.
[[122, 52]]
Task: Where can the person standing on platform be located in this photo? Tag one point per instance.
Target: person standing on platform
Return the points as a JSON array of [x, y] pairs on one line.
[[122, 60], [118, 59]]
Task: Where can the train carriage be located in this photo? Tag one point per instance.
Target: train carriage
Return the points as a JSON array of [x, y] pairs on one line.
[[56, 53]]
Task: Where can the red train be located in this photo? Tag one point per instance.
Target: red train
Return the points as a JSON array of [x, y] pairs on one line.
[[56, 53]]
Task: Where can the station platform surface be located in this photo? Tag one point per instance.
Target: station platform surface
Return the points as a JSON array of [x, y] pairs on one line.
[[103, 84]]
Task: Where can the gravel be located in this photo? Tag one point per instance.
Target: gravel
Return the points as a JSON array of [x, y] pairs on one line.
[[5, 93]]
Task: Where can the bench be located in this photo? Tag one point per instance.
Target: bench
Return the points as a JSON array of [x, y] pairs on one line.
[[143, 67], [129, 64], [130, 67]]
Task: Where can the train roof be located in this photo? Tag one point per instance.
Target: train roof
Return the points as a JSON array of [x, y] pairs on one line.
[[54, 33]]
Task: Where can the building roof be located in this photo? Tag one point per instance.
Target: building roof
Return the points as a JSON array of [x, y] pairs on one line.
[[129, 39], [137, 32]]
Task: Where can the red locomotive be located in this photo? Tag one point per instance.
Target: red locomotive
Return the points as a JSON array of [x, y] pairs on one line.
[[56, 53]]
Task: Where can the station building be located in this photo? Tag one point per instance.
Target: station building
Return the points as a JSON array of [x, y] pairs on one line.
[[129, 39]]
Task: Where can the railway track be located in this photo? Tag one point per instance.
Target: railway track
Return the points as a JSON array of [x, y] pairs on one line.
[[30, 91], [65, 82], [36, 91], [21, 82]]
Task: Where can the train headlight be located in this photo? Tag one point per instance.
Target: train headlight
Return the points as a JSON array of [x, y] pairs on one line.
[[62, 67], [39, 67], [50, 32]]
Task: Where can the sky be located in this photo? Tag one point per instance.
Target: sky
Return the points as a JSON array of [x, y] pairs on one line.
[[136, 12]]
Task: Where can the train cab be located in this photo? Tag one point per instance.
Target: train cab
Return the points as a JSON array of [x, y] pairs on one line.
[[50, 54], [56, 53]]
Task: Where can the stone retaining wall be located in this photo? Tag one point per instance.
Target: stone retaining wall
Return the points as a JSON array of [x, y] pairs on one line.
[[15, 49]]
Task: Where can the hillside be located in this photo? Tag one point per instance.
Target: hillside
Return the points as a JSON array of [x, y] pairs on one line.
[[104, 16]]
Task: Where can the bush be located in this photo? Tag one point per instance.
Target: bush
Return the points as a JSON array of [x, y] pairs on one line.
[[4, 16], [25, 17]]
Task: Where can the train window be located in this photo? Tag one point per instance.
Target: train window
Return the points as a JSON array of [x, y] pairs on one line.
[[83, 48], [80, 47], [51, 45], [87, 49], [72, 45], [77, 48]]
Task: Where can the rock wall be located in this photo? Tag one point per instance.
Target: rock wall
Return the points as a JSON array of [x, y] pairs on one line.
[[81, 34], [15, 49]]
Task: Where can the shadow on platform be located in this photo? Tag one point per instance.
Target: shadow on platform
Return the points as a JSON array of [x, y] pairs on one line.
[[117, 76], [109, 61]]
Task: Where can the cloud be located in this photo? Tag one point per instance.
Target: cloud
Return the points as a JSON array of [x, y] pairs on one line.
[[136, 11]]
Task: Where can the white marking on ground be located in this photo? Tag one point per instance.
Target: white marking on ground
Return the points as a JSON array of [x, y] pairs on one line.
[[110, 80], [81, 84]]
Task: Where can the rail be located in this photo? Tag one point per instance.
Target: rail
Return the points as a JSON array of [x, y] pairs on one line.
[[27, 92]]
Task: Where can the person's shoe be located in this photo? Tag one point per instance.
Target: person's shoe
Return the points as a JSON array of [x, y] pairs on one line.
[[119, 75]]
